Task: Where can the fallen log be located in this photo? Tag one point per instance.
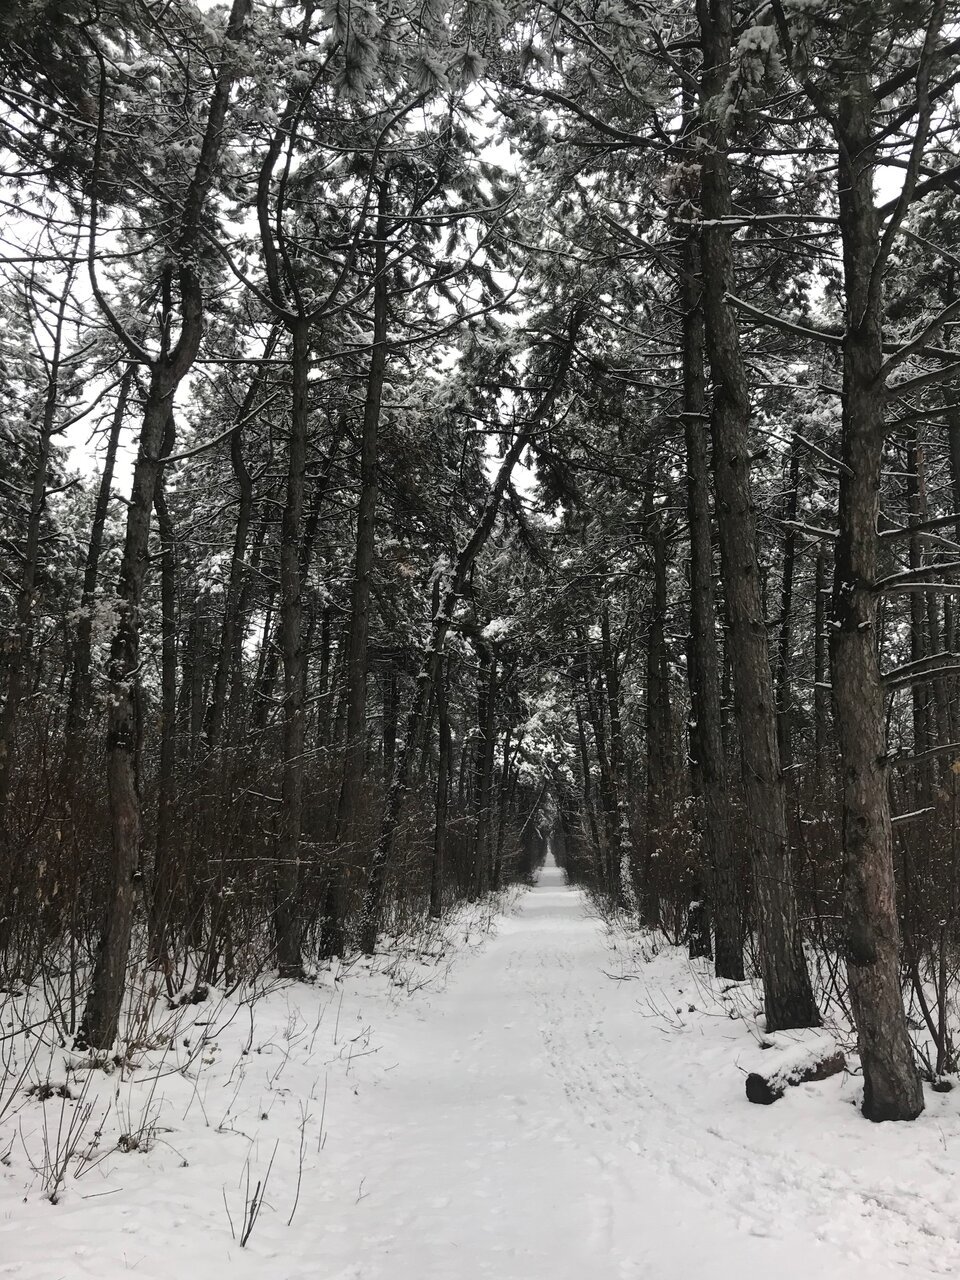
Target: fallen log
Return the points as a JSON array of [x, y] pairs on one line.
[[788, 1063]]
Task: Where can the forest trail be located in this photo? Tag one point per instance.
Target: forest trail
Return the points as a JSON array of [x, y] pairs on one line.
[[541, 1124], [553, 1110]]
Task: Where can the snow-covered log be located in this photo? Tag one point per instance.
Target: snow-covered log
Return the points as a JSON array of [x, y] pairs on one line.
[[788, 1061]]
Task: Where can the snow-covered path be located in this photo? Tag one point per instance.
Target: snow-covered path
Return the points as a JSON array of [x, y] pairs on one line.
[[533, 1118], [542, 1123]]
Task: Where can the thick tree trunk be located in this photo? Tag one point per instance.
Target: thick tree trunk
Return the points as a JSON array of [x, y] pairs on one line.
[[788, 995], [98, 1027], [891, 1085], [101, 1016]]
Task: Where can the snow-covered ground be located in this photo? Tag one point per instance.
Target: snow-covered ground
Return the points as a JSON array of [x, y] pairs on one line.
[[545, 1109]]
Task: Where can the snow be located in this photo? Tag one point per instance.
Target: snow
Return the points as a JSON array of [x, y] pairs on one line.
[[497, 629], [795, 1052], [552, 1105]]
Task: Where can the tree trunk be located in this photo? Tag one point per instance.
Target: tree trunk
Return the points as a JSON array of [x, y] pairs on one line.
[[588, 805], [78, 698], [332, 935], [891, 1085], [709, 765], [483, 766], [788, 995], [923, 737], [164, 887], [391, 713], [271, 652], [784, 682], [821, 674], [618, 751], [231, 631], [292, 655], [324, 682], [659, 727], [595, 698], [101, 1016], [443, 793], [98, 1027], [504, 792]]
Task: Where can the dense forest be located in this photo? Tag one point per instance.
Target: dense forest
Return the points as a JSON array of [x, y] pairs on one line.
[[433, 431]]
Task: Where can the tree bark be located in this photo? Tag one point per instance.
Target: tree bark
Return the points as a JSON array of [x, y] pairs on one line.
[[788, 995], [483, 749], [594, 697], [332, 939], [505, 789], [164, 888], [618, 753], [659, 727], [710, 763], [589, 807], [101, 1016], [784, 672], [100, 1021], [443, 792], [292, 656], [821, 692], [892, 1088]]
